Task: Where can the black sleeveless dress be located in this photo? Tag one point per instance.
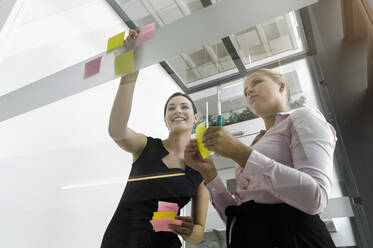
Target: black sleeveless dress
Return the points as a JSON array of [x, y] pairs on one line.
[[150, 181]]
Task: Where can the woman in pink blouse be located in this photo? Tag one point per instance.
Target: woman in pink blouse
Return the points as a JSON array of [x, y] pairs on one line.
[[283, 177]]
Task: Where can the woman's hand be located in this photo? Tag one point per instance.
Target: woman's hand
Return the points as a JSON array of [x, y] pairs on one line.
[[193, 159], [132, 35], [132, 77], [219, 140], [186, 228]]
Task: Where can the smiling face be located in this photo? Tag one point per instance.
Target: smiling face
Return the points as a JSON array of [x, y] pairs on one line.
[[264, 96], [180, 114]]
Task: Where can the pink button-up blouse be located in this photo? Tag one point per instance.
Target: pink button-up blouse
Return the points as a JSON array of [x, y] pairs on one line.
[[291, 162]]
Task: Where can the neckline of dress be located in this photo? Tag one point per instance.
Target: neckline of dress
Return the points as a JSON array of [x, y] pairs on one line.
[[166, 152]]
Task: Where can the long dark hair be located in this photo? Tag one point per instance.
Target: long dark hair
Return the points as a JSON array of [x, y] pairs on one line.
[[179, 94]]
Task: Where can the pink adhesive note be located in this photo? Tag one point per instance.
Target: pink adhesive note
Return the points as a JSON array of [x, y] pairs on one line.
[[92, 67], [161, 225], [146, 33], [167, 207], [178, 222]]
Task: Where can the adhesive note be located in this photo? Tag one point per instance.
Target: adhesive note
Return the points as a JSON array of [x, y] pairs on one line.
[[200, 131], [115, 42], [178, 222], [167, 207], [124, 62], [146, 33], [162, 224], [161, 215], [92, 67]]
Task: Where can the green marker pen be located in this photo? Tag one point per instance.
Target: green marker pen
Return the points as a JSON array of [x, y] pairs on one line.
[[220, 119]]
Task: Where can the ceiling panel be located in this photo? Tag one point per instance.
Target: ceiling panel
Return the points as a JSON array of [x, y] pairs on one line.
[[161, 4], [248, 39], [170, 14], [162, 12]]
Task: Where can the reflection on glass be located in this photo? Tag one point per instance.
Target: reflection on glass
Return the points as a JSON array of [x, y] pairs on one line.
[[267, 42], [234, 107], [211, 60], [263, 43]]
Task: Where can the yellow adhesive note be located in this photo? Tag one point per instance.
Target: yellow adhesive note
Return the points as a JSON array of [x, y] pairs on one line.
[[124, 62], [115, 42], [200, 130], [161, 215]]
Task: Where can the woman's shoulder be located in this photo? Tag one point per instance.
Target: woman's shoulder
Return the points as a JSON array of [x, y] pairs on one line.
[[153, 148], [307, 113], [313, 121]]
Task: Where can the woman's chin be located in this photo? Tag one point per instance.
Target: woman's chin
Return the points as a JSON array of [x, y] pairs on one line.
[[181, 128], [262, 111]]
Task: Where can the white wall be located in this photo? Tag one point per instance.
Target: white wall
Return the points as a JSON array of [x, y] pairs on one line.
[[65, 144]]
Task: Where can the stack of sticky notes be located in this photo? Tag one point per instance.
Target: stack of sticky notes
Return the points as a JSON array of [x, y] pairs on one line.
[[200, 131], [164, 216]]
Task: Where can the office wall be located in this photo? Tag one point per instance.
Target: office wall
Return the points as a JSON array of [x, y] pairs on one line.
[[61, 175]]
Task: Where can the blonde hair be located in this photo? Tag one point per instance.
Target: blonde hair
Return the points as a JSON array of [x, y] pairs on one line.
[[275, 76]]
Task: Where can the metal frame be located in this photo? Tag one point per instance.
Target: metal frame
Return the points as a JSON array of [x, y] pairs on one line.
[[122, 14]]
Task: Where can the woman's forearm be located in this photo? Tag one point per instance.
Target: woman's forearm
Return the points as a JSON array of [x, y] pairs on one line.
[[121, 109], [209, 176], [241, 154], [197, 235]]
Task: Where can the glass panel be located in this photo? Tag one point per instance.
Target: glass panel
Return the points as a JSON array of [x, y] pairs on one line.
[[234, 107], [264, 43], [270, 41], [211, 60]]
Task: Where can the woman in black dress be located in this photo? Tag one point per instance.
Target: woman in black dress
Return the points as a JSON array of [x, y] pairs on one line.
[[158, 174]]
